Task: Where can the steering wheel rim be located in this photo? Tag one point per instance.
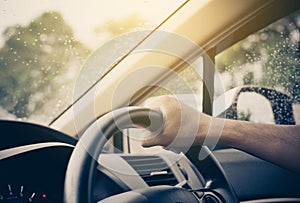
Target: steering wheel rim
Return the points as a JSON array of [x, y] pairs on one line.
[[83, 161]]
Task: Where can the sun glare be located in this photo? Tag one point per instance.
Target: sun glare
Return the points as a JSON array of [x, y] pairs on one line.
[[84, 16]]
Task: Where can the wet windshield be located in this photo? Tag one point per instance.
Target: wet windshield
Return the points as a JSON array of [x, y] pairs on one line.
[[44, 43]]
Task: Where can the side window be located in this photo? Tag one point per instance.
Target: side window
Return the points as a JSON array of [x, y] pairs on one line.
[[268, 58]]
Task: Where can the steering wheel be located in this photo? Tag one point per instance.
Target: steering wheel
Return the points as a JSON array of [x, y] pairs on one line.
[[83, 163]]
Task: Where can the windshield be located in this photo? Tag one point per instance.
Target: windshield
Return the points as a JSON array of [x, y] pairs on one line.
[[44, 43]]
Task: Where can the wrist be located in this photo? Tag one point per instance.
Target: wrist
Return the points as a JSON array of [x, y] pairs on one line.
[[203, 128]]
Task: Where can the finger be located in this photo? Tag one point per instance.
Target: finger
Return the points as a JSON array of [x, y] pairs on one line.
[[155, 104], [157, 101], [149, 142], [151, 103]]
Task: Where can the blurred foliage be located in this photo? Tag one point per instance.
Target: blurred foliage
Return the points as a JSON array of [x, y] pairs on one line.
[[127, 24], [275, 49], [38, 64], [244, 116]]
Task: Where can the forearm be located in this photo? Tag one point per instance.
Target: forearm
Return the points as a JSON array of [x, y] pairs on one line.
[[276, 143]]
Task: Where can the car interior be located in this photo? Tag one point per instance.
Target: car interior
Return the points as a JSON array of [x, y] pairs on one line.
[[71, 105]]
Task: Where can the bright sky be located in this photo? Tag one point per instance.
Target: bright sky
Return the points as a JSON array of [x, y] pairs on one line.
[[84, 15]]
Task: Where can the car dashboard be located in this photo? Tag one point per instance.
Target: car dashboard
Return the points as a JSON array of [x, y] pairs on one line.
[[33, 173], [33, 166]]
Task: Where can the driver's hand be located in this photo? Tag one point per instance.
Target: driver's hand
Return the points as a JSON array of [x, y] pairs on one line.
[[183, 125]]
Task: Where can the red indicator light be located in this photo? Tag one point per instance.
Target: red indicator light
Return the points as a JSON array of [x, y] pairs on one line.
[[44, 196]]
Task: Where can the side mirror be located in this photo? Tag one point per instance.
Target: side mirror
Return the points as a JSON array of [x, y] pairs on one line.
[[252, 103]]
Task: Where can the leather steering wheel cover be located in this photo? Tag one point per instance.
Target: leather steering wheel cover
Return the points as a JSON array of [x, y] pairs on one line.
[[82, 164]]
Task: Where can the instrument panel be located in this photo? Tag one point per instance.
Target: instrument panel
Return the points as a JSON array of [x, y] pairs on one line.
[[20, 193], [34, 176]]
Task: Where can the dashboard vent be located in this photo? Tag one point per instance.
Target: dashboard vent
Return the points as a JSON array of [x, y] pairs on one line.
[[153, 169]]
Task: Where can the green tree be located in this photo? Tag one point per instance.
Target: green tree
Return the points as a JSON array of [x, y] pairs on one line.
[[244, 116], [38, 63]]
